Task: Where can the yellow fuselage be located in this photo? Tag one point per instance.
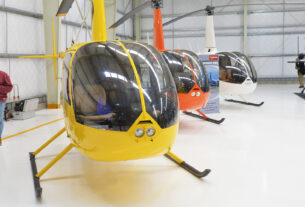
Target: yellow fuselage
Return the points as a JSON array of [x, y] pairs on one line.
[[106, 145]]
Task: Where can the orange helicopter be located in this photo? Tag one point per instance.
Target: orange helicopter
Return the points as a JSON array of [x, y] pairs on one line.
[[119, 100], [189, 73]]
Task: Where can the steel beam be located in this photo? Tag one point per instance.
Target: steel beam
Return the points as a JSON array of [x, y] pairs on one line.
[[229, 28], [237, 34], [15, 55], [229, 13], [245, 27]]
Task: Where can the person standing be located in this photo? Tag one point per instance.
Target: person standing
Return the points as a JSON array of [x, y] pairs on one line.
[[5, 87], [301, 69]]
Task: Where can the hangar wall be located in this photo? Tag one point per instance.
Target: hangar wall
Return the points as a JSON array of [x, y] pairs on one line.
[[22, 32], [271, 37]]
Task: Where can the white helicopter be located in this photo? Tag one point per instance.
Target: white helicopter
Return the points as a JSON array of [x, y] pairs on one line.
[[237, 74]]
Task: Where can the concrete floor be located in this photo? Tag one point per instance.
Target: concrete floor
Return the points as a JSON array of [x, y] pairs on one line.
[[257, 157]]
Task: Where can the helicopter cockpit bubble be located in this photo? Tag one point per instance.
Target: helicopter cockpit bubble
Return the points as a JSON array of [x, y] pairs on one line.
[[187, 70], [248, 65], [235, 67], [200, 72], [157, 83], [105, 90], [180, 70]]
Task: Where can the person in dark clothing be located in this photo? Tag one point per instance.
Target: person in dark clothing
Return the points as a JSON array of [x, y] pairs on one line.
[[5, 87], [301, 69]]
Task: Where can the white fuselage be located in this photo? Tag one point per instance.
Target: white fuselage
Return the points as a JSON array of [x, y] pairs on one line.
[[225, 88]]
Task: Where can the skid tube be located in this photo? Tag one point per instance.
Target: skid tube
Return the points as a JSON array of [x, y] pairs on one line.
[[37, 187], [204, 117], [245, 103], [187, 167]]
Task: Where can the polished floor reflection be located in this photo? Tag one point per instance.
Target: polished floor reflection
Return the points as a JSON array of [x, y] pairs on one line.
[[257, 158]]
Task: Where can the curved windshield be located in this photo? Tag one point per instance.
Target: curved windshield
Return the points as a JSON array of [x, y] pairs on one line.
[[105, 91], [231, 68], [201, 74], [181, 70], [248, 65], [159, 90]]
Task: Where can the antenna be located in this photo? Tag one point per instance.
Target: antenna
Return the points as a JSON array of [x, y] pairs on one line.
[[298, 45]]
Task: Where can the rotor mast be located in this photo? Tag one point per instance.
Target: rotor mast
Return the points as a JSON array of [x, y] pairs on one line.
[[99, 28], [210, 43], [158, 27]]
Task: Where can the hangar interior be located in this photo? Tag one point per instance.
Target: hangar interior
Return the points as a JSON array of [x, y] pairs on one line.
[[255, 155]]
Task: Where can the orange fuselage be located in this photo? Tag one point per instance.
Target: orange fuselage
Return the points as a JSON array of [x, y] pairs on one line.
[[187, 100]]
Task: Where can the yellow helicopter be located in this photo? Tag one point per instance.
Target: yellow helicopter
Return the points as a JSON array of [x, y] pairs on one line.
[[119, 100]]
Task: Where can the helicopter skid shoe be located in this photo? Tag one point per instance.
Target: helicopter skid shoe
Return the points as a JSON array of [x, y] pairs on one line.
[[245, 102], [302, 94], [189, 168], [38, 189], [204, 117], [37, 175]]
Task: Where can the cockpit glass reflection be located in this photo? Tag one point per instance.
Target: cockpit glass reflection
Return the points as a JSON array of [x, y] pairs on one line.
[[181, 70], [231, 68], [105, 91], [158, 86], [249, 66], [199, 70]]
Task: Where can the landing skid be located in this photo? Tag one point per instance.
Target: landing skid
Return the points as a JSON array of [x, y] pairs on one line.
[[205, 118], [187, 167], [37, 187], [245, 102], [302, 94]]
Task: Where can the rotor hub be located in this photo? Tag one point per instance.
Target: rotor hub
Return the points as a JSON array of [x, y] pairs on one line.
[[209, 10], [157, 4]]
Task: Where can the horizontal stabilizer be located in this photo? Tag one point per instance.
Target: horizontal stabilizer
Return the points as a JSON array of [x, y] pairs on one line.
[[64, 8]]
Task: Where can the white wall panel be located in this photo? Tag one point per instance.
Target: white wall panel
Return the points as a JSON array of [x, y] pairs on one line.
[[4, 65], [268, 67], [73, 14], [289, 69], [30, 75], [26, 34], [1, 2], [73, 32], [28, 5], [265, 19], [291, 44], [126, 28], [265, 44], [2, 32], [194, 44], [227, 43]]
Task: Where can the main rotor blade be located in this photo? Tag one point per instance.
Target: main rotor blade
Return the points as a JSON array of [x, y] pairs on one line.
[[130, 14], [234, 5], [183, 16], [262, 4], [64, 8]]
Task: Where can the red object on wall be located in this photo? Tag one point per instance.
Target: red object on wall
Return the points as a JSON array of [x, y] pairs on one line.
[[213, 57]]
